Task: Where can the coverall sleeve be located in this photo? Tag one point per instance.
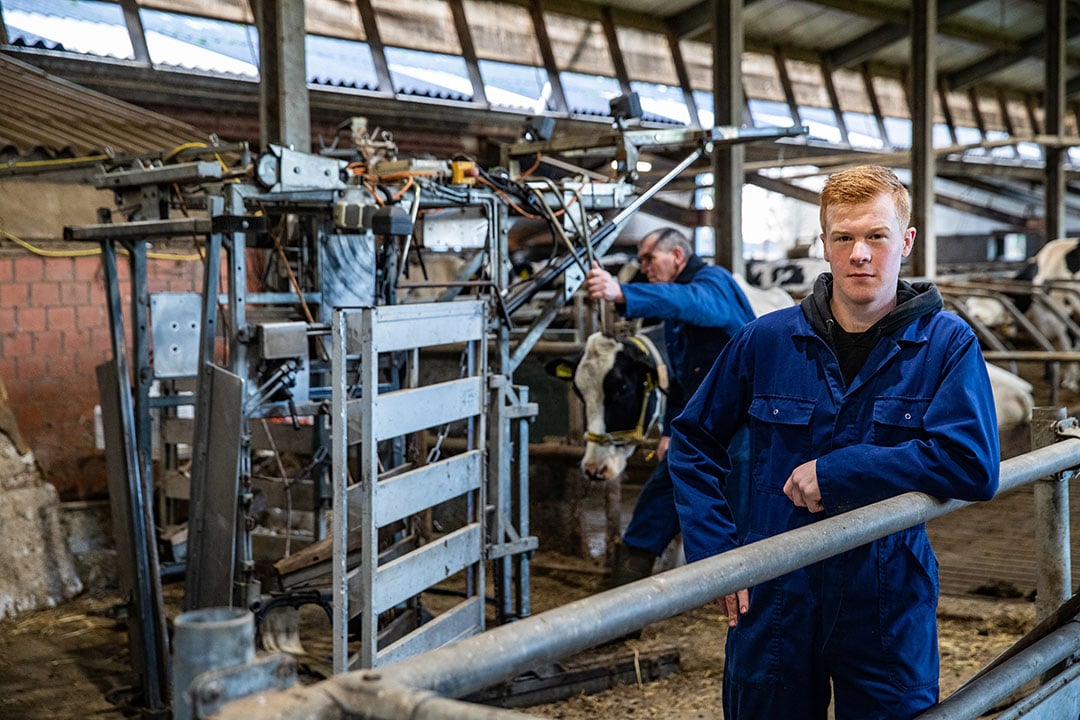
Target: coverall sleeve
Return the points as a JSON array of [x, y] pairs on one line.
[[956, 457], [711, 299], [698, 459]]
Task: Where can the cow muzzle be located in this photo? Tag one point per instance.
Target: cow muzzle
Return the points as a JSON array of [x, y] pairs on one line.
[[604, 462]]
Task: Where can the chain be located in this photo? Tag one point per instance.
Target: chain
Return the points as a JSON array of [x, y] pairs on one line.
[[436, 450]]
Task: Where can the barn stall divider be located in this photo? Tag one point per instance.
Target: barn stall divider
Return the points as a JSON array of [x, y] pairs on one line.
[[424, 685]]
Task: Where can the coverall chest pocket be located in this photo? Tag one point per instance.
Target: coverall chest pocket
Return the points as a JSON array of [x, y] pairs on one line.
[[899, 419], [780, 438]]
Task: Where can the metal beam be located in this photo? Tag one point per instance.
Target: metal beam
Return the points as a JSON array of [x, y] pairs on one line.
[[966, 206], [783, 187], [863, 47], [135, 31], [809, 196], [946, 110], [684, 78], [468, 52], [378, 50], [923, 161], [875, 105], [785, 84], [543, 41], [1055, 118], [672, 213], [617, 60], [727, 160], [834, 100], [284, 105], [1031, 46], [696, 19]]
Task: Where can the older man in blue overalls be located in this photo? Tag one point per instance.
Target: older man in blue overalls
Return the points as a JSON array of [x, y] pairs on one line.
[[702, 307]]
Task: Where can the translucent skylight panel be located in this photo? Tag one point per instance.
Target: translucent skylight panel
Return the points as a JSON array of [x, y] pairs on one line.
[[863, 131], [662, 103], [1033, 151], [940, 135], [768, 113], [969, 136], [589, 94], [333, 61], [205, 44], [899, 132], [522, 87], [1007, 151], [820, 124], [81, 26], [415, 72], [704, 101]]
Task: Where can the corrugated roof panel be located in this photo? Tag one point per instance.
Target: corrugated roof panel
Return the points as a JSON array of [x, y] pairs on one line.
[[46, 114], [207, 44], [82, 26]]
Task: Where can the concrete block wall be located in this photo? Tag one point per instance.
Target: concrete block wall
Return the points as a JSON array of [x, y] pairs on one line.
[[53, 333]]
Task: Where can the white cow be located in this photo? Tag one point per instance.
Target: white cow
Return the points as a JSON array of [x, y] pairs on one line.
[[992, 313], [764, 300], [1013, 397]]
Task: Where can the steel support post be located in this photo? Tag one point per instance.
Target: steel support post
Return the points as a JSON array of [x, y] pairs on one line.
[[148, 636], [500, 452], [339, 482], [924, 15], [521, 560], [143, 370], [1053, 583], [727, 160], [1056, 73], [284, 106], [198, 586]]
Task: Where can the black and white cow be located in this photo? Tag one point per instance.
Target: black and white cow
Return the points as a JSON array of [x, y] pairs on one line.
[[621, 382], [795, 275], [1057, 260], [616, 379]]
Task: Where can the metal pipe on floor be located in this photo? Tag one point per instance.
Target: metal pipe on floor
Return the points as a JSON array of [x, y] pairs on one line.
[[506, 651], [204, 640], [972, 701]]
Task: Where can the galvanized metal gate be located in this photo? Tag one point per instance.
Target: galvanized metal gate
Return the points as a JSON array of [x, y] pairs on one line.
[[365, 506]]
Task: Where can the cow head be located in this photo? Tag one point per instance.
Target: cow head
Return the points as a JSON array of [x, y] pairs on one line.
[[620, 382]]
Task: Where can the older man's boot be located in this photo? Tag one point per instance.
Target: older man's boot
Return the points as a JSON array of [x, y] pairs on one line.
[[630, 564]]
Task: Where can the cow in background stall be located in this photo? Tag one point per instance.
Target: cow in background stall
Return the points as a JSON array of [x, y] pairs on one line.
[[793, 275], [1057, 260], [1014, 398], [621, 382]]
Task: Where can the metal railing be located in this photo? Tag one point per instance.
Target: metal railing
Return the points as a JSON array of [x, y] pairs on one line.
[[506, 651]]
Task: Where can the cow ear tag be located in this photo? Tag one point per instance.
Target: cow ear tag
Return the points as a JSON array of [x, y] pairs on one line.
[[564, 371]]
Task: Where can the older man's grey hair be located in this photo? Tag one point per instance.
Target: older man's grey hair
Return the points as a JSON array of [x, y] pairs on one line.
[[667, 239]]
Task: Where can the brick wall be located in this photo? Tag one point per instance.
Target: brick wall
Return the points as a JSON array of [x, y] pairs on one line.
[[53, 333]]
